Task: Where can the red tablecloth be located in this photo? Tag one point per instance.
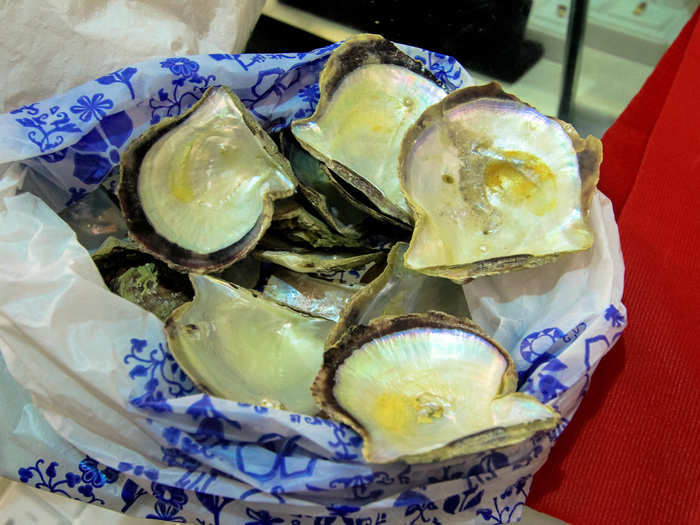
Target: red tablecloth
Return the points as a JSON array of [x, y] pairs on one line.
[[632, 453]]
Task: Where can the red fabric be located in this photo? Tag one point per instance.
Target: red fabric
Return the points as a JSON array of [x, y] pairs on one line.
[[632, 453]]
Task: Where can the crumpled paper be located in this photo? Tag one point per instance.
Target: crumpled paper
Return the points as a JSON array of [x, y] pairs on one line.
[[113, 420], [55, 45]]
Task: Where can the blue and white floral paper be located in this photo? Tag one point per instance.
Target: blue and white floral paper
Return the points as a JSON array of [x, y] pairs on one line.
[[114, 422]]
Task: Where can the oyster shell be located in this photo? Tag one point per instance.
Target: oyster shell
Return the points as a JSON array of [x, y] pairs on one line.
[[426, 387], [495, 186], [399, 291], [316, 297], [322, 191], [314, 262], [238, 345], [363, 203], [371, 92], [197, 190], [297, 224], [245, 272], [94, 218], [141, 278]]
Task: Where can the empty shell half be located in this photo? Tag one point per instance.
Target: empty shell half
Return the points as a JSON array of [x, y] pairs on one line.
[[399, 291], [197, 190], [317, 262], [237, 345], [310, 295], [426, 387], [371, 92], [494, 185]]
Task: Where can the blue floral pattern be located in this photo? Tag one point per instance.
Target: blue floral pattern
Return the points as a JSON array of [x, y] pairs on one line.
[[504, 510], [246, 62], [261, 517], [311, 95], [130, 493], [120, 76], [213, 504], [615, 317], [91, 473], [445, 68], [92, 476], [95, 107], [162, 375], [281, 468], [47, 128], [138, 470], [98, 151], [346, 444], [182, 68], [360, 485], [271, 86], [540, 371], [419, 507], [171, 500], [210, 433], [170, 104]]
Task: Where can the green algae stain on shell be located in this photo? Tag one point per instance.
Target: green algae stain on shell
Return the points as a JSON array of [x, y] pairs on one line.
[[197, 190], [141, 278]]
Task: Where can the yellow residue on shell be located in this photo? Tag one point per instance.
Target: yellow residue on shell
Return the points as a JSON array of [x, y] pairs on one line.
[[180, 179], [399, 413], [521, 179]]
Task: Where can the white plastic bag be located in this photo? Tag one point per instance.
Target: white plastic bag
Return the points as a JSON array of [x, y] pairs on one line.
[[55, 45], [115, 422]]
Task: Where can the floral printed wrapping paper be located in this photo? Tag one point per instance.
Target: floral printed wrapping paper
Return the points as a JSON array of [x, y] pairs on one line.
[[95, 407]]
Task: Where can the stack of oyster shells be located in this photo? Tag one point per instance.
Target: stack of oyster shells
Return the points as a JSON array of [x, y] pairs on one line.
[[319, 270]]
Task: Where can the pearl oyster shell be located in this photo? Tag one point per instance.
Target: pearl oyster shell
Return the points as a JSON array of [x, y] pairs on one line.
[[237, 345], [310, 295], [426, 387], [370, 93], [197, 190], [322, 191], [494, 185], [399, 291], [295, 223], [315, 262]]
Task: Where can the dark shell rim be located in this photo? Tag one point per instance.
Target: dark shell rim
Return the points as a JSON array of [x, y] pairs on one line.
[[368, 207]]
